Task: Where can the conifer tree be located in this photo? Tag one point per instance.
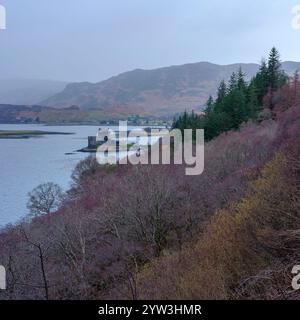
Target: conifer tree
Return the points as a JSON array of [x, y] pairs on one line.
[[261, 81], [209, 104], [232, 82], [240, 101], [274, 69], [222, 90], [241, 83]]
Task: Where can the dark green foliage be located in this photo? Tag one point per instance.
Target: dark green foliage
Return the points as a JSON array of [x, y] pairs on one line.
[[238, 101], [270, 77], [276, 75], [189, 121], [261, 82]]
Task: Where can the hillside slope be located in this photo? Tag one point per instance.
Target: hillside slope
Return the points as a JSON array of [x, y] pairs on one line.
[[153, 232], [230, 233], [163, 91]]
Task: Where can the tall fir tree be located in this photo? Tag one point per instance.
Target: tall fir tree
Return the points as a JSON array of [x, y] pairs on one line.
[[274, 69], [232, 82], [209, 104], [222, 90], [239, 101], [261, 81]]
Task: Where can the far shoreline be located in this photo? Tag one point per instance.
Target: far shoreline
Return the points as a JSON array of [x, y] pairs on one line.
[[26, 134]]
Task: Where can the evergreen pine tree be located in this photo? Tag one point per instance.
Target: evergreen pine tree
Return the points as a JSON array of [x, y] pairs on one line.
[[261, 81], [209, 104], [232, 82], [241, 83], [222, 90], [274, 69], [240, 101]]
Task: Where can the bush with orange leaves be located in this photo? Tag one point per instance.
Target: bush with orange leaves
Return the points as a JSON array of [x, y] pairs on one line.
[[246, 251]]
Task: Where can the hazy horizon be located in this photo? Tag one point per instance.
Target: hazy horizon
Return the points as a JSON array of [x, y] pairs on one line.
[[93, 40]]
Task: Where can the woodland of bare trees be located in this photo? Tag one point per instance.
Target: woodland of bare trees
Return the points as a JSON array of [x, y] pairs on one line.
[[132, 232]]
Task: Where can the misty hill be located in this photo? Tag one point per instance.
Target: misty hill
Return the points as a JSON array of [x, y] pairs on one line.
[[28, 91], [162, 91]]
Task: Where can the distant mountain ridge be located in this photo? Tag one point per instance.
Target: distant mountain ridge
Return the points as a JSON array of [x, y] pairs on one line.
[[167, 90], [28, 91]]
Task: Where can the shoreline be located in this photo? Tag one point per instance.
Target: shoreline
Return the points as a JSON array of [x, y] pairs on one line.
[[26, 134]]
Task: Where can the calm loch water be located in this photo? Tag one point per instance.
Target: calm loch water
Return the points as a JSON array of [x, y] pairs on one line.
[[25, 163]]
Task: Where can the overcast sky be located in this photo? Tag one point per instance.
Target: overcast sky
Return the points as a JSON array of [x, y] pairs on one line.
[[90, 40]]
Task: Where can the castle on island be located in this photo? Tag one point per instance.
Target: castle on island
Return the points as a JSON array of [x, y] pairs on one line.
[[105, 134]]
